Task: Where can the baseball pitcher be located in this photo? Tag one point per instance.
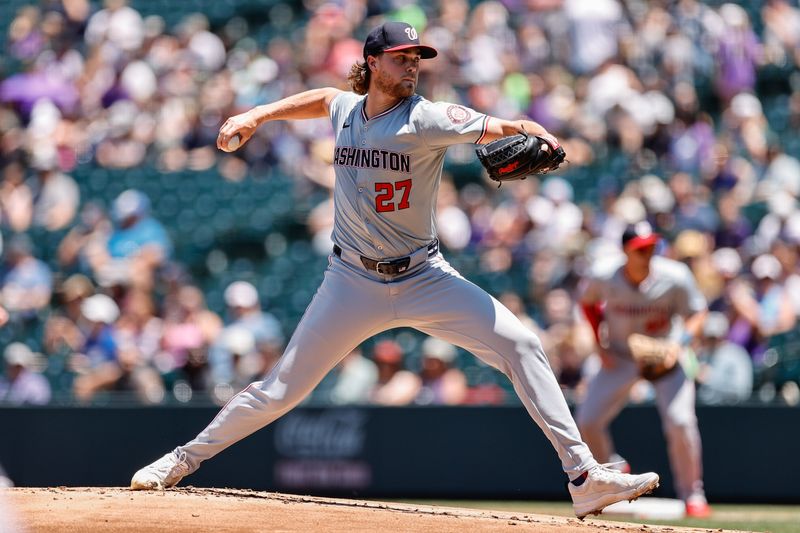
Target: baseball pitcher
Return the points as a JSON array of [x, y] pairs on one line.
[[386, 270], [638, 302]]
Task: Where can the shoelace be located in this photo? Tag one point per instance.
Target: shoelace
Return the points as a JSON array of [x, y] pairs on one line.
[[182, 462], [167, 464], [606, 473]]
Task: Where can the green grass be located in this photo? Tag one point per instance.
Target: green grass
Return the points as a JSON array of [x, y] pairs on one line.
[[772, 518]]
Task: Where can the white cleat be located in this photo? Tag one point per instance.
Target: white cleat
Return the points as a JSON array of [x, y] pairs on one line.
[[162, 474], [604, 486]]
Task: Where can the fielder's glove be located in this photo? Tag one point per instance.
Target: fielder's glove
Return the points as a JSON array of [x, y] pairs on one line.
[[655, 357], [517, 156]]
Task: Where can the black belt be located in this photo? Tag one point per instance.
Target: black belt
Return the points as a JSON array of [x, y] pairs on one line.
[[393, 267]]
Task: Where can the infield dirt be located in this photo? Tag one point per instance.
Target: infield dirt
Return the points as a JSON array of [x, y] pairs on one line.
[[189, 509]]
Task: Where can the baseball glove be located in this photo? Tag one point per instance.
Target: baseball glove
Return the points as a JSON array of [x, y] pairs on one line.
[[518, 156], [655, 357]]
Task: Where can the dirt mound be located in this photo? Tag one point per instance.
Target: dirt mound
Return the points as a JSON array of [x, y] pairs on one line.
[[189, 509]]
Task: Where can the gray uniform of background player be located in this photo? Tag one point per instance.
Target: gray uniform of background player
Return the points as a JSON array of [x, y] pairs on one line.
[[387, 176], [651, 308]]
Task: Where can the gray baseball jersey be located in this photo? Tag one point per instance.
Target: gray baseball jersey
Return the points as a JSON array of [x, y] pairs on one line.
[[388, 169], [387, 174], [651, 308]]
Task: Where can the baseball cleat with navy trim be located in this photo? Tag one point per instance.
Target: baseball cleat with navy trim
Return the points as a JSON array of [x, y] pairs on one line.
[[601, 486]]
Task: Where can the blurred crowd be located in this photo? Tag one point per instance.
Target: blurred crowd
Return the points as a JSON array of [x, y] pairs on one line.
[[682, 113]]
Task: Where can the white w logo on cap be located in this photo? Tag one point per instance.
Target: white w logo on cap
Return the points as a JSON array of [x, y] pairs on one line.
[[412, 33]]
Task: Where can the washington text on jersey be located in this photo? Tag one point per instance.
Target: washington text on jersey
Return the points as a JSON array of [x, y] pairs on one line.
[[350, 156]]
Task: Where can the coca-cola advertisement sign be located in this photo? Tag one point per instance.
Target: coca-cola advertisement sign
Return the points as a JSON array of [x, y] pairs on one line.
[[333, 434], [322, 450]]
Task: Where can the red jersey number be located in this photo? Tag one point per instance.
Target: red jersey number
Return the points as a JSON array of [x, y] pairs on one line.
[[386, 192]]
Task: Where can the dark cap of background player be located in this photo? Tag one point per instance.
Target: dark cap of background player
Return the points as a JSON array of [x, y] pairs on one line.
[[393, 37], [638, 236]]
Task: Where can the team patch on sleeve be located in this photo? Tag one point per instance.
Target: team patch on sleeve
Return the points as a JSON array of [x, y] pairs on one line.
[[458, 114]]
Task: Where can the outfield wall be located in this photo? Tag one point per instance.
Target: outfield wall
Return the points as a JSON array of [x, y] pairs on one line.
[[468, 452]]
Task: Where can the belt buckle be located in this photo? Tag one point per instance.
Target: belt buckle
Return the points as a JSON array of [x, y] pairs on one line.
[[388, 264], [390, 268], [380, 264]]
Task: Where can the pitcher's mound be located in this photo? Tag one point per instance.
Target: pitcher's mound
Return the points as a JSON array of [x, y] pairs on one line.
[[189, 509]]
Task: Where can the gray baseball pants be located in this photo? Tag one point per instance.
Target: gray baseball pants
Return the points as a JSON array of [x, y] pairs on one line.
[[353, 304]]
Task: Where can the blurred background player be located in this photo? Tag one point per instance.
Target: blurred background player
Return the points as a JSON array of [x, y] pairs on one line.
[[645, 294]]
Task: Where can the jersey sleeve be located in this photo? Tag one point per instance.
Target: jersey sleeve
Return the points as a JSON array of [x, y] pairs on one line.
[[690, 299], [442, 124], [341, 107]]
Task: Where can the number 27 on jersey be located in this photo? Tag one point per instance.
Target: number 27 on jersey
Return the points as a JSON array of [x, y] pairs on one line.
[[392, 196]]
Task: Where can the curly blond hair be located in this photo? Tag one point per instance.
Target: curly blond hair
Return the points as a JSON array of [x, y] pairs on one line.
[[359, 77]]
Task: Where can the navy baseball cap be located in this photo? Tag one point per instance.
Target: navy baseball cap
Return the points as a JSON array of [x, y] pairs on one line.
[[393, 37], [638, 236]]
